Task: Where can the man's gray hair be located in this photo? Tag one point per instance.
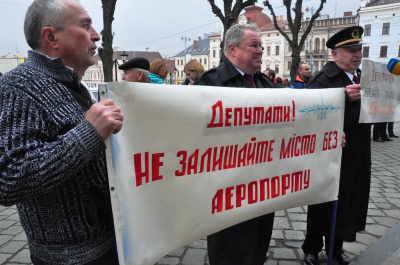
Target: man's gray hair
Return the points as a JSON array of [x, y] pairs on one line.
[[43, 13], [146, 73], [234, 34]]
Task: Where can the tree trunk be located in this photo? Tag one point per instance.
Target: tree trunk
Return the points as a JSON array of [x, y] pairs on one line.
[[106, 51], [296, 24]]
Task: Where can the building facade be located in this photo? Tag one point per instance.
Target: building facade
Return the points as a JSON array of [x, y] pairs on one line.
[[199, 50], [10, 61], [94, 75], [277, 52], [381, 23]]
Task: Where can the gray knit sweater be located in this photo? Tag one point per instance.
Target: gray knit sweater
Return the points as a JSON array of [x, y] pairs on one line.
[[52, 164]]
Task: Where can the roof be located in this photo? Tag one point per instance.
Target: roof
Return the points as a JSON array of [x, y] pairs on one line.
[[170, 65], [255, 15], [381, 2], [199, 47], [12, 56], [270, 26]]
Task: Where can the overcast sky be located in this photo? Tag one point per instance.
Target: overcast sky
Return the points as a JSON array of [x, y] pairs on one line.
[[155, 24]]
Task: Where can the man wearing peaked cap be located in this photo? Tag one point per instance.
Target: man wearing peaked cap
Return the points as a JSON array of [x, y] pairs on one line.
[[355, 173], [136, 70], [345, 38]]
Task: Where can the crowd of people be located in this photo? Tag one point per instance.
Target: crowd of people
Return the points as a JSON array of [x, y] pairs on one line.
[[52, 163]]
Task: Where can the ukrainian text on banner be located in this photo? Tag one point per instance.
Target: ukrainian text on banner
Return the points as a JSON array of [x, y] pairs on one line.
[[380, 96], [192, 160]]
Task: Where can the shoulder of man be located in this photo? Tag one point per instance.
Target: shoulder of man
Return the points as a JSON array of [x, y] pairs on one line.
[[264, 80], [207, 76], [330, 76]]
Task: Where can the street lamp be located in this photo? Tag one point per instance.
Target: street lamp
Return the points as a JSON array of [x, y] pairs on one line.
[[170, 75], [185, 39], [123, 56], [311, 40]]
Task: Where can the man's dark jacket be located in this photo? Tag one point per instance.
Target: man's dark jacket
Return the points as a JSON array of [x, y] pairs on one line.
[[247, 242], [226, 75], [355, 176]]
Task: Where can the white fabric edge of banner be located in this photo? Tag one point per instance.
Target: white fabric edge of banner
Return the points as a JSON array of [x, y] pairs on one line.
[[103, 90]]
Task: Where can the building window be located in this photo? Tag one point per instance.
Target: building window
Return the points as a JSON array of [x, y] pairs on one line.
[[276, 68], [365, 52], [182, 62], [289, 65], [205, 60], [383, 52], [367, 30], [385, 28], [201, 61], [277, 50], [317, 45], [177, 62], [398, 53], [214, 53], [268, 50]]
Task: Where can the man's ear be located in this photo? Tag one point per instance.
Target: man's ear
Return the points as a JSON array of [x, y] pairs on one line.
[[232, 49], [140, 75], [49, 37]]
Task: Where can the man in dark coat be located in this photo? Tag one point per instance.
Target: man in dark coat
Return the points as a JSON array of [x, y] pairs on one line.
[[355, 175], [245, 243]]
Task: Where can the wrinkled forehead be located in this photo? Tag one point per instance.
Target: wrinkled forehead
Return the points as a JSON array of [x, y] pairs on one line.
[[250, 35], [352, 49]]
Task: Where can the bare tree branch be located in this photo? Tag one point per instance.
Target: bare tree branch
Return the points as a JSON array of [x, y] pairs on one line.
[[215, 9], [295, 24], [231, 14]]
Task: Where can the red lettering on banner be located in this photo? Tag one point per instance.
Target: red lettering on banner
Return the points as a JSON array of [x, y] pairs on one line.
[[217, 202], [298, 146], [330, 140], [261, 190], [225, 157], [245, 116], [240, 194], [141, 174], [381, 109], [228, 198]]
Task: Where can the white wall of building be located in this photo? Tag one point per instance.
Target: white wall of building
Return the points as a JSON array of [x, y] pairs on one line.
[[377, 39]]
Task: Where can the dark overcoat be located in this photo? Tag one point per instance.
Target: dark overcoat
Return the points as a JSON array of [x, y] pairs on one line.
[[226, 75], [247, 242], [355, 175]]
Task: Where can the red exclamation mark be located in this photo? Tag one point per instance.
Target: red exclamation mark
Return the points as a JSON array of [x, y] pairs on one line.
[[294, 110]]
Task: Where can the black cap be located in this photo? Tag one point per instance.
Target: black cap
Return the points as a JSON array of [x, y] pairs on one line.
[[346, 37], [137, 62]]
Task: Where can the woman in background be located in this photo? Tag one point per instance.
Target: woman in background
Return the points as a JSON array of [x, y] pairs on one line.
[[158, 71], [193, 69]]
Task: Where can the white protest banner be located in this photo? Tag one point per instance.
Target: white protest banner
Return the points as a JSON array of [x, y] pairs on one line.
[[192, 160], [380, 96]]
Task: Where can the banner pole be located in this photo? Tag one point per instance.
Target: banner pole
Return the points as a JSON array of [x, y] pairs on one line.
[[332, 236]]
